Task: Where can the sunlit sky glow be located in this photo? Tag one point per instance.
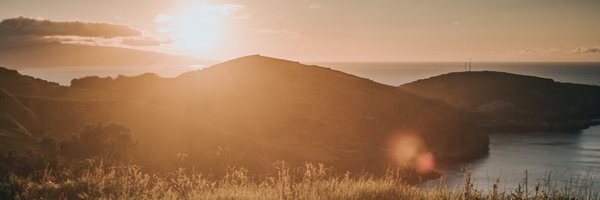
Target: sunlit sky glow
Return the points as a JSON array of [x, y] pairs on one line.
[[341, 30]]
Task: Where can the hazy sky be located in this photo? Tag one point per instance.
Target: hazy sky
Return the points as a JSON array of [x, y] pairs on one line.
[[344, 30]]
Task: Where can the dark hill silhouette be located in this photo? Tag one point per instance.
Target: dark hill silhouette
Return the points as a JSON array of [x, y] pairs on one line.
[[18, 84], [503, 101], [255, 110]]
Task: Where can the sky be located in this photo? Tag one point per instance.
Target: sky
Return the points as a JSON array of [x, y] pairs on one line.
[[316, 31]]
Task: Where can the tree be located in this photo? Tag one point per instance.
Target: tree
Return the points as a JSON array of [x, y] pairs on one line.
[[109, 142], [49, 150]]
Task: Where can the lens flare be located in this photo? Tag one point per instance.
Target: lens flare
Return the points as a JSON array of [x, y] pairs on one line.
[[409, 151], [425, 163]]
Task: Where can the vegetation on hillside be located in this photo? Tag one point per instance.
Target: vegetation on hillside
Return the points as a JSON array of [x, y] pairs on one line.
[[99, 163], [498, 101], [215, 133], [251, 111]]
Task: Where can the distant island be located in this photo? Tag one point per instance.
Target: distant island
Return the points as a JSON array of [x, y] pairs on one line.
[[500, 102]]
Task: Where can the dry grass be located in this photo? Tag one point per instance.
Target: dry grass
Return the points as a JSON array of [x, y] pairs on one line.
[[314, 182]]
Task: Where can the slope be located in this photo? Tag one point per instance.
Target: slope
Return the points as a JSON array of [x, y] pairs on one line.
[[254, 110], [504, 101]]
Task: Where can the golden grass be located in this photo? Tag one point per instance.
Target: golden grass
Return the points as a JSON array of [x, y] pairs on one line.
[[314, 182]]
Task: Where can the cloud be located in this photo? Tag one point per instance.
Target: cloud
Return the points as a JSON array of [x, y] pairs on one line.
[[22, 26], [77, 43], [289, 34], [10, 42], [162, 18], [193, 15], [225, 9], [78, 40], [22, 31], [235, 11], [315, 6], [585, 50], [146, 41], [539, 51], [532, 51]]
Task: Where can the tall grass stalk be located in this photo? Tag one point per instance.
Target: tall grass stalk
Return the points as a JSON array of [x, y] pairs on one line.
[[313, 182]]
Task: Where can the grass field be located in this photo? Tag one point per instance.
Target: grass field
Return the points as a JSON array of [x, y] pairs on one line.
[[312, 182]]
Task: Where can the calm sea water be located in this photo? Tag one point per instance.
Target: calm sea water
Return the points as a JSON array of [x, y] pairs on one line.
[[562, 156], [571, 158]]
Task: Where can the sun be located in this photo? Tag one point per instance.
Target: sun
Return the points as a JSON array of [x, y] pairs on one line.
[[195, 29]]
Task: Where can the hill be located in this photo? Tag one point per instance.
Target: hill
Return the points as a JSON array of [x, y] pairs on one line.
[[254, 110], [501, 101], [18, 84], [14, 118]]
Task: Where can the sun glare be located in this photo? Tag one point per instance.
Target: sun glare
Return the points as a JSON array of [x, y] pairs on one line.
[[195, 29]]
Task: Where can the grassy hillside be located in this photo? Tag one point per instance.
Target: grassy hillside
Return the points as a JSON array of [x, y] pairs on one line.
[[15, 120], [503, 101], [311, 182], [256, 110], [18, 84]]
